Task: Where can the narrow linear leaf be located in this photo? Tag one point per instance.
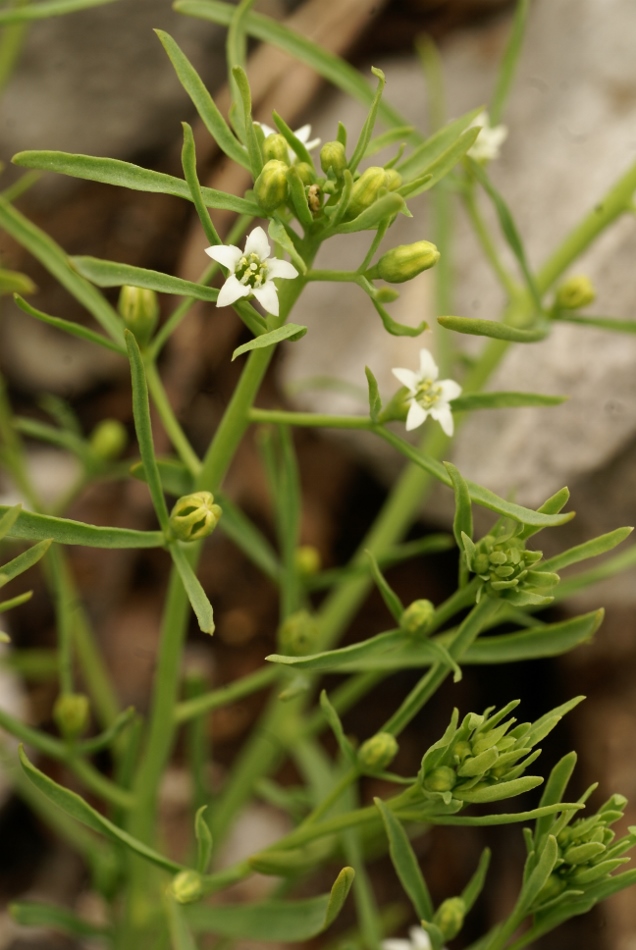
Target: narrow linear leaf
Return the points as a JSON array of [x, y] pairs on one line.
[[347, 657], [17, 602], [553, 793], [33, 527], [433, 173], [333, 720], [204, 840], [509, 819], [375, 402], [203, 101], [395, 328], [280, 235], [463, 520], [291, 331], [253, 147], [493, 329], [74, 329], [509, 61], [77, 808], [542, 871], [551, 506], [176, 480], [500, 791], [390, 598], [13, 282], [405, 863], [299, 148], [545, 640], [8, 519], [23, 561], [32, 914], [369, 123], [435, 146], [504, 400], [53, 258], [189, 165], [581, 552], [603, 323], [48, 8], [112, 274], [371, 217], [476, 884], [192, 585], [388, 138]]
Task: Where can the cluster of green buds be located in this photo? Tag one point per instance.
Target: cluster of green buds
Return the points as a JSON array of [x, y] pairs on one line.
[[373, 183], [587, 851], [194, 516], [483, 758], [507, 570]]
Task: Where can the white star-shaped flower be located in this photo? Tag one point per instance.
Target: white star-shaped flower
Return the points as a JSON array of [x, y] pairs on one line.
[[302, 134], [488, 143], [418, 940], [427, 395], [252, 271]]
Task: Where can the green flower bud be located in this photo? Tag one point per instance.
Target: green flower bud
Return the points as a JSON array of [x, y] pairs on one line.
[[194, 516], [575, 292], [417, 617], [305, 172], [366, 190], [449, 917], [554, 886], [187, 887], [333, 159], [108, 440], [71, 714], [275, 148], [441, 779], [308, 560], [406, 261], [583, 853], [377, 752], [393, 179], [139, 308], [298, 635], [272, 187], [386, 295]]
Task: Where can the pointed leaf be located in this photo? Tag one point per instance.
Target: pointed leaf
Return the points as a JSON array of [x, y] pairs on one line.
[[369, 122], [196, 595], [113, 274], [333, 720], [593, 548], [74, 329], [32, 914], [476, 884], [375, 403], [405, 863], [32, 527], [503, 400], [189, 165], [23, 561], [543, 640], [542, 871], [291, 331], [204, 840], [463, 520], [390, 598], [435, 146], [493, 329], [509, 61]]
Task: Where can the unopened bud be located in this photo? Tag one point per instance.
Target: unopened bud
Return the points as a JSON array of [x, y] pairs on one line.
[[575, 292], [366, 190], [71, 714], [275, 147], [393, 179], [377, 752], [333, 159], [417, 617], [187, 887], [308, 560], [139, 308], [449, 917], [406, 261], [108, 440], [298, 635], [272, 187], [194, 516], [441, 779], [305, 172]]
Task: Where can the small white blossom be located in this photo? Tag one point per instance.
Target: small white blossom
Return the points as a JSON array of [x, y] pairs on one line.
[[490, 139], [427, 396], [252, 271], [302, 134], [418, 940]]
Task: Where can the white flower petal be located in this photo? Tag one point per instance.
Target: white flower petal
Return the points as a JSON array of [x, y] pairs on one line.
[[303, 133], [232, 290], [420, 940], [416, 416], [267, 296], [258, 244], [407, 377], [226, 254], [449, 389], [267, 129], [428, 366], [396, 944], [278, 268], [442, 413]]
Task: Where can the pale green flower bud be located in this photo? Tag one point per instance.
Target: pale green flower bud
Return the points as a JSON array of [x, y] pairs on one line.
[[308, 560], [333, 158], [417, 617], [366, 190], [298, 635], [441, 779], [108, 440], [194, 516], [272, 187], [187, 887], [139, 308], [393, 179], [71, 714], [406, 261], [378, 752], [449, 917], [275, 147], [575, 292], [305, 172]]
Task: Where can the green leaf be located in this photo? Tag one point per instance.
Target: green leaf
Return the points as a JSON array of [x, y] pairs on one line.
[[204, 840], [112, 274], [552, 506], [74, 329], [8, 519], [77, 808], [46, 9], [113, 171], [203, 102], [196, 595], [280, 235], [369, 122], [553, 793], [476, 884], [395, 328], [385, 207], [390, 598], [253, 147], [509, 61], [285, 921], [12, 281], [291, 331], [333, 720], [440, 168], [189, 165], [581, 552], [603, 323], [180, 936], [53, 258], [390, 137], [143, 428], [32, 914], [299, 148], [435, 146], [496, 793], [503, 400], [23, 562], [175, 478], [543, 868], [351, 657], [375, 402], [463, 520], [32, 527], [551, 639], [494, 329], [405, 863]]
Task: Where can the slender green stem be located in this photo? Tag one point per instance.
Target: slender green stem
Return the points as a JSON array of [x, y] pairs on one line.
[[308, 419], [335, 276], [483, 235], [217, 698], [332, 798], [170, 422], [12, 39]]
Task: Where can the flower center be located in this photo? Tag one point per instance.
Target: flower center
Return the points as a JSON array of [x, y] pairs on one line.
[[427, 393], [251, 271]]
